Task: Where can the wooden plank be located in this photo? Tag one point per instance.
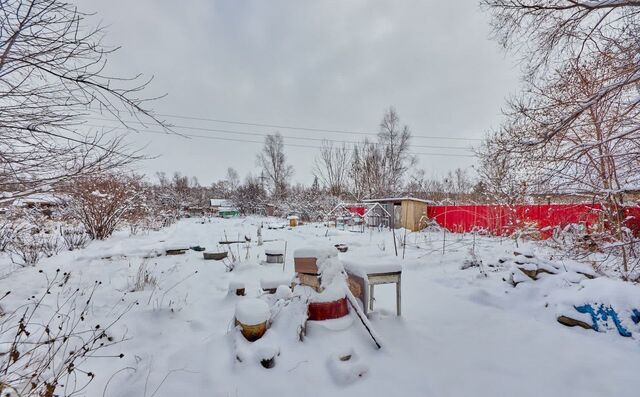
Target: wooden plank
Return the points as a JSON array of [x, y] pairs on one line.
[[383, 274], [384, 278], [371, 296], [363, 318]]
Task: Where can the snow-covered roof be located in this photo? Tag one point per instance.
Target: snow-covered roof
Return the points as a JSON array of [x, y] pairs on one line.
[[393, 199], [219, 203]]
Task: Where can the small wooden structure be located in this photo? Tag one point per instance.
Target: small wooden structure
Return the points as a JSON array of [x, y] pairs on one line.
[[308, 274], [274, 256], [365, 274], [252, 315], [305, 265], [216, 256], [358, 215], [176, 251], [342, 247], [236, 288], [407, 212], [293, 220]]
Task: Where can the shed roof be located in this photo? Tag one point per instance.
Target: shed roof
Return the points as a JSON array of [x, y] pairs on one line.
[[395, 199]]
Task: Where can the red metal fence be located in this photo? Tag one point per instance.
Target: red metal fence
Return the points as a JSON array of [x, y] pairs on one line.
[[504, 220]]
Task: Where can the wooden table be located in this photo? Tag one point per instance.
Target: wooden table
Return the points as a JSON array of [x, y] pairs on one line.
[[384, 278], [365, 273]]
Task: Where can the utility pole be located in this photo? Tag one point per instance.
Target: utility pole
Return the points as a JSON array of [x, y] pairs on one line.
[[262, 178]]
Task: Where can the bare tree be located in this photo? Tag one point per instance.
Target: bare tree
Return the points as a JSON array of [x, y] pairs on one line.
[[394, 140], [551, 32], [249, 196], [373, 170], [273, 162], [332, 167], [596, 157], [52, 72], [232, 179], [503, 172]]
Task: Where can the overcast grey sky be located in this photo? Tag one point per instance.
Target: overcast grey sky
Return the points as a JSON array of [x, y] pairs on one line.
[[319, 64]]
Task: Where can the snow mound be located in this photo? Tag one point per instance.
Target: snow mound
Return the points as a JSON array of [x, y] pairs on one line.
[[283, 292], [526, 267], [259, 351], [615, 305], [252, 311], [273, 283], [346, 367]]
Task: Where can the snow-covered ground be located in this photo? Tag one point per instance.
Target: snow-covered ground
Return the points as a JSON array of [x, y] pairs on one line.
[[460, 334]]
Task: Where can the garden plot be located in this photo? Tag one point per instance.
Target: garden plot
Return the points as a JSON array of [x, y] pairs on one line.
[[462, 332]]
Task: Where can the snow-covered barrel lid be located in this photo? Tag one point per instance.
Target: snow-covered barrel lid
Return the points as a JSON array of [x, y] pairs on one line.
[[273, 251], [233, 285], [290, 217], [315, 252], [252, 311]]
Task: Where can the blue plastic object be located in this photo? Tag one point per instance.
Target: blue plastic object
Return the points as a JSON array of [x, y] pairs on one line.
[[635, 316], [603, 313]]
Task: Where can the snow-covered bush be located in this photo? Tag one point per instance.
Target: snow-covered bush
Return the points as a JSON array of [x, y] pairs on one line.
[[310, 204], [26, 250], [50, 244], [74, 237], [49, 340], [104, 202], [9, 229], [144, 278]]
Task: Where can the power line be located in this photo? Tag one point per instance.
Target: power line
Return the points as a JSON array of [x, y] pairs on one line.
[[257, 142], [258, 134], [310, 129]]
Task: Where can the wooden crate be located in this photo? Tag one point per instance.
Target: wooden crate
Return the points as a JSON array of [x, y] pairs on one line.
[[305, 265], [311, 280]]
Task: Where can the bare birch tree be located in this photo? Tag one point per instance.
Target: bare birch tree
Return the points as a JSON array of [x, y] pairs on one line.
[[52, 71], [232, 179], [394, 141], [332, 167], [273, 162]]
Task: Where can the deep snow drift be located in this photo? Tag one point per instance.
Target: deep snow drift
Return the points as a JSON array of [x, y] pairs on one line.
[[463, 332]]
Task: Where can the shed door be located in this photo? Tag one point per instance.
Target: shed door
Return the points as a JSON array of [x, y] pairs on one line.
[[397, 216]]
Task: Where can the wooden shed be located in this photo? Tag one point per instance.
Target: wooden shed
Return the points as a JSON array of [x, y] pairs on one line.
[[407, 212]]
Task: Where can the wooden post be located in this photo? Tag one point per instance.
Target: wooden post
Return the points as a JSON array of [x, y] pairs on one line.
[[444, 238], [399, 296], [284, 257], [444, 230], [371, 296], [404, 243], [395, 247]]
